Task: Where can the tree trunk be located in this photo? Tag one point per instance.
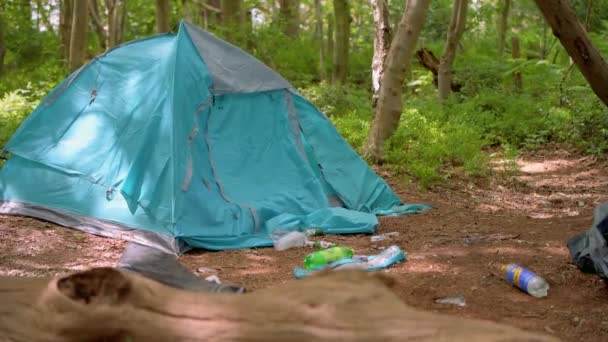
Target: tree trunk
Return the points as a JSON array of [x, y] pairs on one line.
[[430, 62], [290, 17], [65, 26], [515, 53], [105, 304], [455, 30], [503, 27], [320, 38], [44, 16], [330, 39], [116, 23], [232, 19], [342, 19], [575, 40], [390, 102], [211, 12], [382, 43], [78, 37], [162, 16], [98, 24], [2, 45]]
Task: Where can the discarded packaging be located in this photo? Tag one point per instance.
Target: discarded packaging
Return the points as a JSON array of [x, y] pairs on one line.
[[455, 300], [384, 236], [390, 256], [214, 279], [525, 280], [319, 259], [320, 244], [283, 241]]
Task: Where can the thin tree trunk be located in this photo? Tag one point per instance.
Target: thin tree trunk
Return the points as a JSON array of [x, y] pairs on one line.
[[503, 26], [455, 30], [65, 26], [44, 16], [116, 23], [162, 16], [211, 12], [390, 102], [186, 10], [2, 45], [382, 42], [98, 24], [320, 38], [289, 17], [78, 38], [575, 40], [342, 16], [515, 53], [232, 19], [330, 39]]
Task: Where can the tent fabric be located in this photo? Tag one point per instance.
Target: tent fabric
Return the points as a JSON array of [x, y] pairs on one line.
[[189, 138], [589, 250], [166, 269]]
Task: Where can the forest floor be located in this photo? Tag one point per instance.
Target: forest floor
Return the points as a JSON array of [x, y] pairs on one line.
[[524, 217]]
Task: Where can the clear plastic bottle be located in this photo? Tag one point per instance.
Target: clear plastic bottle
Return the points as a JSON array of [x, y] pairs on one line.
[[286, 240], [323, 257], [526, 280]]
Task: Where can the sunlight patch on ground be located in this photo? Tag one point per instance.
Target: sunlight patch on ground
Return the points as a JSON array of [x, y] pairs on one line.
[[425, 266], [545, 166]]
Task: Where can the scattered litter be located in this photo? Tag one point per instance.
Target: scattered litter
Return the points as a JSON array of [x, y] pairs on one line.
[[214, 279], [313, 232], [390, 256], [283, 240], [205, 270], [455, 300], [492, 237], [320, 259], [384, 236], [525, 280], [320, 244]]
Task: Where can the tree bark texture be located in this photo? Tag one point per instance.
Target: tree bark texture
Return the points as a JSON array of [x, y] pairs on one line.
[[116, 22], [330, 40], [575, 40], [65, 26], [2, 46], [455, 30], [382, 43], [430, 62], [290, 17], [162, 16], [98, 24], [78, 36], [503, 26], [320, 38], [342, 21], [390, 102], [515, 54], [105, 304], [232, 19], [211, 12]]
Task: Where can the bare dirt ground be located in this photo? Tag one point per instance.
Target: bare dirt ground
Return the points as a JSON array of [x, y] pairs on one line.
[[524, 217]]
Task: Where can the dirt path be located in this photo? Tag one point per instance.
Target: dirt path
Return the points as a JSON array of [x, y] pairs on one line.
[[452, 250]]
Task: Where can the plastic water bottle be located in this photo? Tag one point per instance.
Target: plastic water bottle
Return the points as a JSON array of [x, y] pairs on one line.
[[526, 280], [321, 258], [283, 241]]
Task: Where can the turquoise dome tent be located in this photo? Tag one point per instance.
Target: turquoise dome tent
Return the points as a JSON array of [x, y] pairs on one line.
[[184, 141]]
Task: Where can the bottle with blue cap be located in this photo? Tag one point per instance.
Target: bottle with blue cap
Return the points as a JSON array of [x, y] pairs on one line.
[[525, 280]]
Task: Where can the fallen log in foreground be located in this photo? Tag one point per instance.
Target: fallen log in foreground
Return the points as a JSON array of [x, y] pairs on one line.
[[105, 304]]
